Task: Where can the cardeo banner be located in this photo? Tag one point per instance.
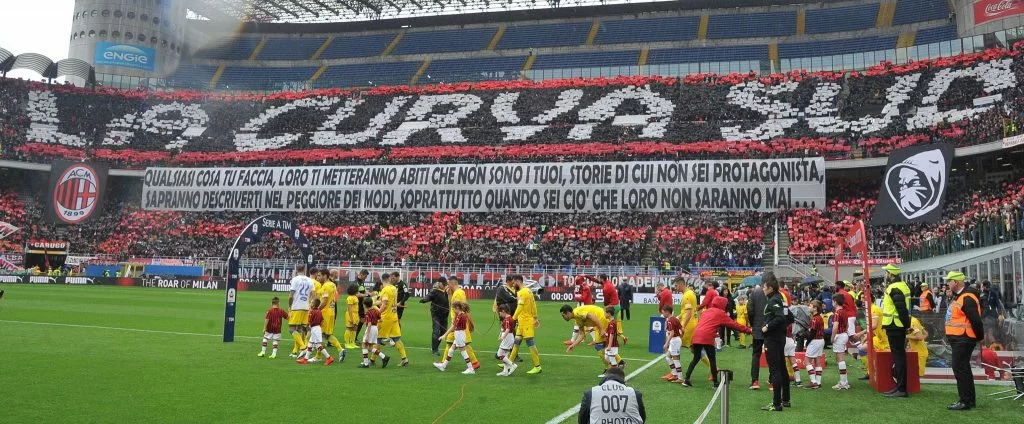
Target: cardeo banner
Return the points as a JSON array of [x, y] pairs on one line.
[[651, 186], [914, 185], [76, 191], [125, 56]]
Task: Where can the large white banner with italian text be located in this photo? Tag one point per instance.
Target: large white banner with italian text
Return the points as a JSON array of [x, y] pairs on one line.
[[655, 186]]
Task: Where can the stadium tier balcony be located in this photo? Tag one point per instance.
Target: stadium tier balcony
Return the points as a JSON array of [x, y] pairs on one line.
[[482, 69], [586, 60], [239, 48], [835, 47]]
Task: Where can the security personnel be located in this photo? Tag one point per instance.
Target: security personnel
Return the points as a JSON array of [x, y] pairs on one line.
[[612, 401], [896, 321], [438, 299], [927, 300], [964, 329], [776, 319]]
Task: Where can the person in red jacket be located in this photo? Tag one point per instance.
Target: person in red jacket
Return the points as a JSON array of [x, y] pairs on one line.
[[584, 296], [710, 293], [610, 292], [664, 295], [704, 337]]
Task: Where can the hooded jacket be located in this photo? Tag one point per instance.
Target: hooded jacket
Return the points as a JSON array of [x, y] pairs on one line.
[[712, 319]]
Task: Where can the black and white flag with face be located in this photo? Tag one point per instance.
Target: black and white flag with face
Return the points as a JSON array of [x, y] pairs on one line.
[[914, 185]]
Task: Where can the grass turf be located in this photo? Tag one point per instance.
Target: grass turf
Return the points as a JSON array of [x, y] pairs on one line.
[[115, 354]]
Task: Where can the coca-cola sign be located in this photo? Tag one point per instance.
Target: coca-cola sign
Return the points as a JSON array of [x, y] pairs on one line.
[[990, 10]]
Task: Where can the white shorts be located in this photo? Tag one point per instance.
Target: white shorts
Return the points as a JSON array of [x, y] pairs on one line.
[[272, 336], [790, 349], [815, 348], [508, 341], [839, 346], [370, 336], [674, 345], [610, 352], [460, 338], [316, 335]]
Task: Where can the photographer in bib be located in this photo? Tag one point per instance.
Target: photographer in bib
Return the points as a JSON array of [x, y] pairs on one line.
[[612, 401]]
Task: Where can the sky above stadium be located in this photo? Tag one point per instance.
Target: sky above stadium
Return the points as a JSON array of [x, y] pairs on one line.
[[36, 26]]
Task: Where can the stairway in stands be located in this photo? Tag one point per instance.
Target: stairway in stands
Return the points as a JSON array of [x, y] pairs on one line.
[[648, 258]]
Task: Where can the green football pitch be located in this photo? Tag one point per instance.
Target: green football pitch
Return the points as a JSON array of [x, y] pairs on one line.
[[120, 354]]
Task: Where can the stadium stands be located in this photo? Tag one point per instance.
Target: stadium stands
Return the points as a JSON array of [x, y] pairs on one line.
[[441, 41], [290, 48], [707, 54], [233, 49], [586, 60], [697, 116], [544, 35], [691, 43], [911, 11], [455, 70], [357, 46], [752, 25], [265, 78], [679, 28], [828, 48], [935, 35], [840, 19], [369, 74]]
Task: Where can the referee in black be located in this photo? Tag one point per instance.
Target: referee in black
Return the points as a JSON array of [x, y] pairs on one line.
[[776, 318]]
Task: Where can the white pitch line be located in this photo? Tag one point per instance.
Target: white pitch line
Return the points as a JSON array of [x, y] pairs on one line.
[[178, 333], [576, 408]]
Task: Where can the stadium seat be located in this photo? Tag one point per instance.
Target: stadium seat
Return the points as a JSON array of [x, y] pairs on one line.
[[624, 31], [912, 11], [839, 19], [586, 60], [290, 48], [347, 46], [752, 25], [444, 41], [484, 69], [231, 49], [544, 35]]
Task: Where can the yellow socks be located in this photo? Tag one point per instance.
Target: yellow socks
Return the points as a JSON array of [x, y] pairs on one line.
[[472, 354], [514, 353], [535, 355], [401, 349]]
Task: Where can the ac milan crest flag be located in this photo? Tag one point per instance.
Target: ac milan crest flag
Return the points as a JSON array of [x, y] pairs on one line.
[[914, 185], [76, 192]]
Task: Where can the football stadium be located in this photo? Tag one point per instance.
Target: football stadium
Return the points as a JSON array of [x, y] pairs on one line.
[[267, 210]]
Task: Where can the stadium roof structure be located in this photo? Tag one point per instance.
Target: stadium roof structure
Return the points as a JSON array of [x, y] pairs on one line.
[[46, 67], [324, 11]]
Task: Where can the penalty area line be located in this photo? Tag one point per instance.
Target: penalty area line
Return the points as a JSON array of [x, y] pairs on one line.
[[576, 408]]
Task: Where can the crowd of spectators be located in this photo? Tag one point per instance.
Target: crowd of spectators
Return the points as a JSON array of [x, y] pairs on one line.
[[879, 110], [110, 125]]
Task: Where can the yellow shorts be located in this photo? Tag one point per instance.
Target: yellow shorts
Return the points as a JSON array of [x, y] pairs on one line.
[[298, 318], [349, 323], [524, 329], [329, 319], [388, 328], [688, 336]]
